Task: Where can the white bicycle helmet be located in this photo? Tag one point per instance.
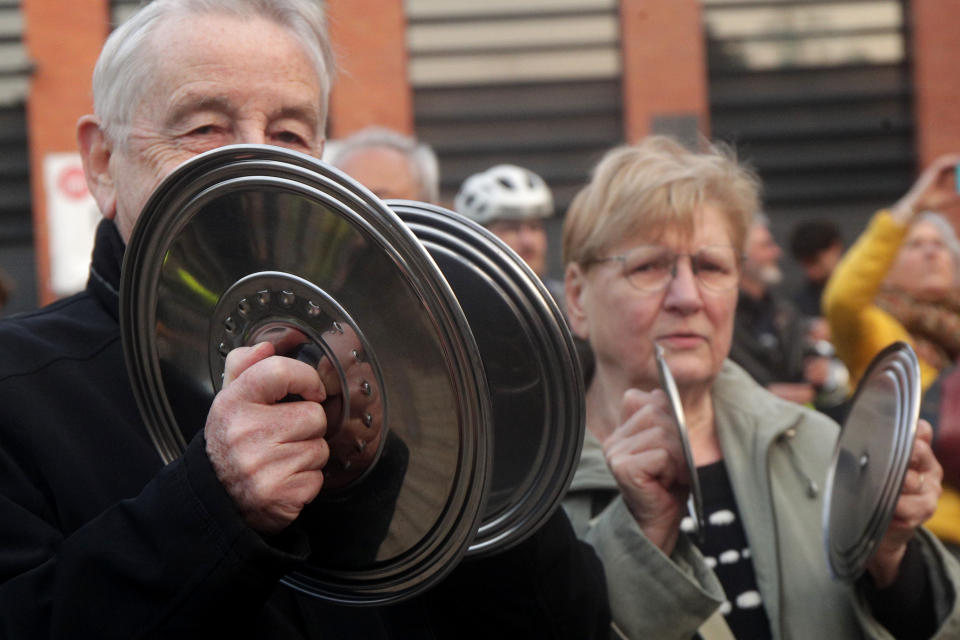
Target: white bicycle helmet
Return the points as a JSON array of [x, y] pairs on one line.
[[504, 192]]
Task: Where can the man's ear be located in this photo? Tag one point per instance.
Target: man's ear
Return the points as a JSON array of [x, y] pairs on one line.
[[574, 286], [95, 152]]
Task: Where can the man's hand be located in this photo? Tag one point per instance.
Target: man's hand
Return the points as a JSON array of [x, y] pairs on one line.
[[268, 454], [646, 457], [917, 502], [816, 369]]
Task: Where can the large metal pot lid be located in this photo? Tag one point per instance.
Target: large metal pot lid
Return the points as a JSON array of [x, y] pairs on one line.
[[669, 386], [532, 370], [250, 243], [871, 460]]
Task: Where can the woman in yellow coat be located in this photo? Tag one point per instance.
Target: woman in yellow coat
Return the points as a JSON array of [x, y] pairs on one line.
[[899, 281]]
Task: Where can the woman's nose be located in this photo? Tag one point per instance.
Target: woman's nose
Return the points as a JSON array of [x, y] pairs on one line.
[[683, 292]]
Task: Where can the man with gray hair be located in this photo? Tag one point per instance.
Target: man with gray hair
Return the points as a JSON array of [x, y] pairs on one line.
[[99, 539], [771, 338], [388, 163]]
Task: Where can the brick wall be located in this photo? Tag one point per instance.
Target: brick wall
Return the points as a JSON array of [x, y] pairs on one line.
[[936, 60]]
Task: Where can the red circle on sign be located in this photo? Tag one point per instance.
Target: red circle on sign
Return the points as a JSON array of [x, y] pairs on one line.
[[73, 183]]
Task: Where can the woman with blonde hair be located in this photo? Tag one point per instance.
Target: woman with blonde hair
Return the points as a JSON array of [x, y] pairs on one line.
[[653, 249]]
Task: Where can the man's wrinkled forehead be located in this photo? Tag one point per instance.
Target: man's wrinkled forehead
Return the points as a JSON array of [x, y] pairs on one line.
[[164, 64]]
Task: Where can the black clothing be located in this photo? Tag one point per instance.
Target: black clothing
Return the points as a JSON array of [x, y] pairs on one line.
[[807, 298], [99, 540], [726, 549], [905, 607], [768, 339]]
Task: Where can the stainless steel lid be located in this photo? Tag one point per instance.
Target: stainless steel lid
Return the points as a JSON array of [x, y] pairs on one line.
[[871, 460], [251, 243], [669, 386], [533, 373]]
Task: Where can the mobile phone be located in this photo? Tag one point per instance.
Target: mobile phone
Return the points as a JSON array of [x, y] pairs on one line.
[[956, 178]]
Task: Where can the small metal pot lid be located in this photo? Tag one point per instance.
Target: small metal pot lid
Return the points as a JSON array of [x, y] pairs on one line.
[[532, 369], [871, 460], [251, 243], [669, 386]]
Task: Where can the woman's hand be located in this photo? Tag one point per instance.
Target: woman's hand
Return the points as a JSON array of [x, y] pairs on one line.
[[646, 457], [935, 190], [917, 502]]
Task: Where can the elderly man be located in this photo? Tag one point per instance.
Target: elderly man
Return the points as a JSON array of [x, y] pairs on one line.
[[97, 538], [771, 340], [390, 164]]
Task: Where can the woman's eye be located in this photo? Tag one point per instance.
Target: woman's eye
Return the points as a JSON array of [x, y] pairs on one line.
[[651, 265], [711, 266]]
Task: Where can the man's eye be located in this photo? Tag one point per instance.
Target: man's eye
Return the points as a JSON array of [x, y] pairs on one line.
[[289, 137], [205, 130]]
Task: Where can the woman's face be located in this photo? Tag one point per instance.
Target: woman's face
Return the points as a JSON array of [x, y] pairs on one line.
[[692, 322], [924, 266]]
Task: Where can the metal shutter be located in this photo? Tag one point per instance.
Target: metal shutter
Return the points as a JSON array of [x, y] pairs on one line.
[[529, 82], [16, 222], [817, 94]]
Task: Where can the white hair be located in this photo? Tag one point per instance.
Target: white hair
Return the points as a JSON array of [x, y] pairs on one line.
[[422, 159], [947, 233], [126, 58]]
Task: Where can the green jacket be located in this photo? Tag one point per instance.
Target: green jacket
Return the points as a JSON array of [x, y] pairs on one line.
[[774, 450]]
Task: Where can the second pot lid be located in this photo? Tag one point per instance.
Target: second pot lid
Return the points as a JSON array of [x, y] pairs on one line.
[[533, 373], [871, 460]]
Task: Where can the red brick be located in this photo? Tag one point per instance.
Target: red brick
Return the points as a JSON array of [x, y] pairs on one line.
[[664, 63]]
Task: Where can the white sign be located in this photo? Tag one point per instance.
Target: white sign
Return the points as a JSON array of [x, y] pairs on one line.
[[72, 218]]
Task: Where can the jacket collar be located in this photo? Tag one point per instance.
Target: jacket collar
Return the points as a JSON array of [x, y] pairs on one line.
[[750, 422], [738, 402], [104, 280]]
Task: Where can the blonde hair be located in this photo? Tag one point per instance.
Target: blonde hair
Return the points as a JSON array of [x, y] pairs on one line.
[[645, 188]]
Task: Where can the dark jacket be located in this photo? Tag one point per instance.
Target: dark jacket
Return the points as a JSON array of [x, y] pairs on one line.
[[99, 540], [769, 339]]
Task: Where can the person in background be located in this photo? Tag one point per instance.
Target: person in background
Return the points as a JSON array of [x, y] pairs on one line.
[[652, 246], [513, 203], [772, 340], [817, 246], [941, 407], [99, 538], [388, 163], [898, 282]]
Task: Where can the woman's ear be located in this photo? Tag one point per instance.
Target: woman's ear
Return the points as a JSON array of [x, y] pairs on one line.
[[574, 287], [96, 149]]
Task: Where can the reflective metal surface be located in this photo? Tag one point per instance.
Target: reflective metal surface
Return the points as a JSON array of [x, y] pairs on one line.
[[532, 370], [871, 460], [669, 386], [250, 243]]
